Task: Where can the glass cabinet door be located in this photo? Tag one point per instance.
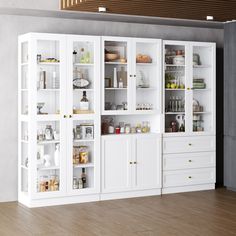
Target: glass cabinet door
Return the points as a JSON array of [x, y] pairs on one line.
[[147, 87], [83, 105], [49, 109], [116, 73], [175, 87], [202, 88]]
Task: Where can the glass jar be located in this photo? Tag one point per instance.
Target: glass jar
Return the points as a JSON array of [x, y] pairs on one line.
[[75, 183], [83, 155]]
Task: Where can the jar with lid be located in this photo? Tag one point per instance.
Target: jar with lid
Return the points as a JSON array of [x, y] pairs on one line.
[[127, 128], [75, 183], [48, 132], [80, 183], [83, 155]]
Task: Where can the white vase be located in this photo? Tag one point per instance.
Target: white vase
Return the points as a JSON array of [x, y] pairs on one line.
[[57, 155]]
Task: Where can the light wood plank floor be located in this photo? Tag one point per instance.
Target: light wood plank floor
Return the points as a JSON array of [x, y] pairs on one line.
[[198, 213]]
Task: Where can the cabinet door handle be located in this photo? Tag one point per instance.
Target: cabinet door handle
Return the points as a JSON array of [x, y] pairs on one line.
[[130, 162], [189, 160], [135, 162], [130, 76], [70, 116], [190, 177], [189, 144], [65, 116], [134, 76]]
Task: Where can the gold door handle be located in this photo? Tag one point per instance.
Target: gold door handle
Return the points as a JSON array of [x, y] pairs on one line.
[[130, 162], [70, 116], [65, 116]]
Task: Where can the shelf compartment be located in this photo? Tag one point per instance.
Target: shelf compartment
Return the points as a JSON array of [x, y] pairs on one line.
[[88, 165]]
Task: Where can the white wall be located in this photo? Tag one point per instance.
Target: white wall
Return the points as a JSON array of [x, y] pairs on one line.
[[12, 26]]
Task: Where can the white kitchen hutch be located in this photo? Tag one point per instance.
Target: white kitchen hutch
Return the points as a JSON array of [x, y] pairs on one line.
[[64, 154]]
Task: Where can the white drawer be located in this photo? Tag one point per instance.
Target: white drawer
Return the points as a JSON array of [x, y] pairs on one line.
[[188, 160], [188, 177], [188, 144]]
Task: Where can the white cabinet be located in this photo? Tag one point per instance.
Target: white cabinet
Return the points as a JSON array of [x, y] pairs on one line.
[[57, 140], [131, 162], [189, 116]]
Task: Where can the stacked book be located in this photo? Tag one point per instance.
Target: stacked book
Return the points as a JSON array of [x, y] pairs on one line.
[[199, 84]]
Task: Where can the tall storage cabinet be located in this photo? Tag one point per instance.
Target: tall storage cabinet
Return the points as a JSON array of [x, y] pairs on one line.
[[49, 116], [189, 116]]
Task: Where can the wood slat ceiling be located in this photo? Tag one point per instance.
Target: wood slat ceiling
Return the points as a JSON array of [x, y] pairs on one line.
[[222, 10]]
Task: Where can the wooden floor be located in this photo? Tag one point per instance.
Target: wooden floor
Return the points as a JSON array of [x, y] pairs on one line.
[[198, 213]]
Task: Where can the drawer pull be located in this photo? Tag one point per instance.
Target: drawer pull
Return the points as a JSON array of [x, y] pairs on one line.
[[189, 144], [135, 162], [189, 160], [190, 177], [130, 162]]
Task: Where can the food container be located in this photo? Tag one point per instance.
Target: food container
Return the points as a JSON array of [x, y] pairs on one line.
[[178, 60], [83, 155], [111, 56]]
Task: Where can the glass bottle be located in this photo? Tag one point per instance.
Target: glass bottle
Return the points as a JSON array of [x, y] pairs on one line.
[[74, 56], [176, 104], [83, 177], [84, 102], [170, 105], [173, 104]]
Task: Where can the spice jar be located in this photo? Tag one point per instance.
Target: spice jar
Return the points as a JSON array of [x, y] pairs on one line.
[[127, 128], [118, 130]]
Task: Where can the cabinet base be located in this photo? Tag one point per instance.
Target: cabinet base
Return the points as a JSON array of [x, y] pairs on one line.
[[188, 188], [58, 200], [130, 194]]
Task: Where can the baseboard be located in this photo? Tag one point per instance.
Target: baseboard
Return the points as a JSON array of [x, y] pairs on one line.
[[60, 201], [188, 188], [231, 189], [130, 194]]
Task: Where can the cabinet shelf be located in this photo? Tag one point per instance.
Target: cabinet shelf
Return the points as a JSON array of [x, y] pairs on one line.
[[172, 65], [83, 140], [146, 64], [48, 63], [48, 90], [175, 113], [49, 117], [201, 66], [115, 63], [88, 165], [146, 89], [175, 89], [83, 64], [81, 90], [43, 168], [48, 142], [116, 89]]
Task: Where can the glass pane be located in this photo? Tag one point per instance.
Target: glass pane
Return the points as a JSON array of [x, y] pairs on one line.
[[83, 154], [146, 76], [48, 81], [115, 81], [83, 77], [175, 88], [48, 156], [202, 89]]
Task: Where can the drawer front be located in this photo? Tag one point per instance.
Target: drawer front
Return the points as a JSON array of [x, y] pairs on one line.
[[188, 160], [188, 177], [188, 144]]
